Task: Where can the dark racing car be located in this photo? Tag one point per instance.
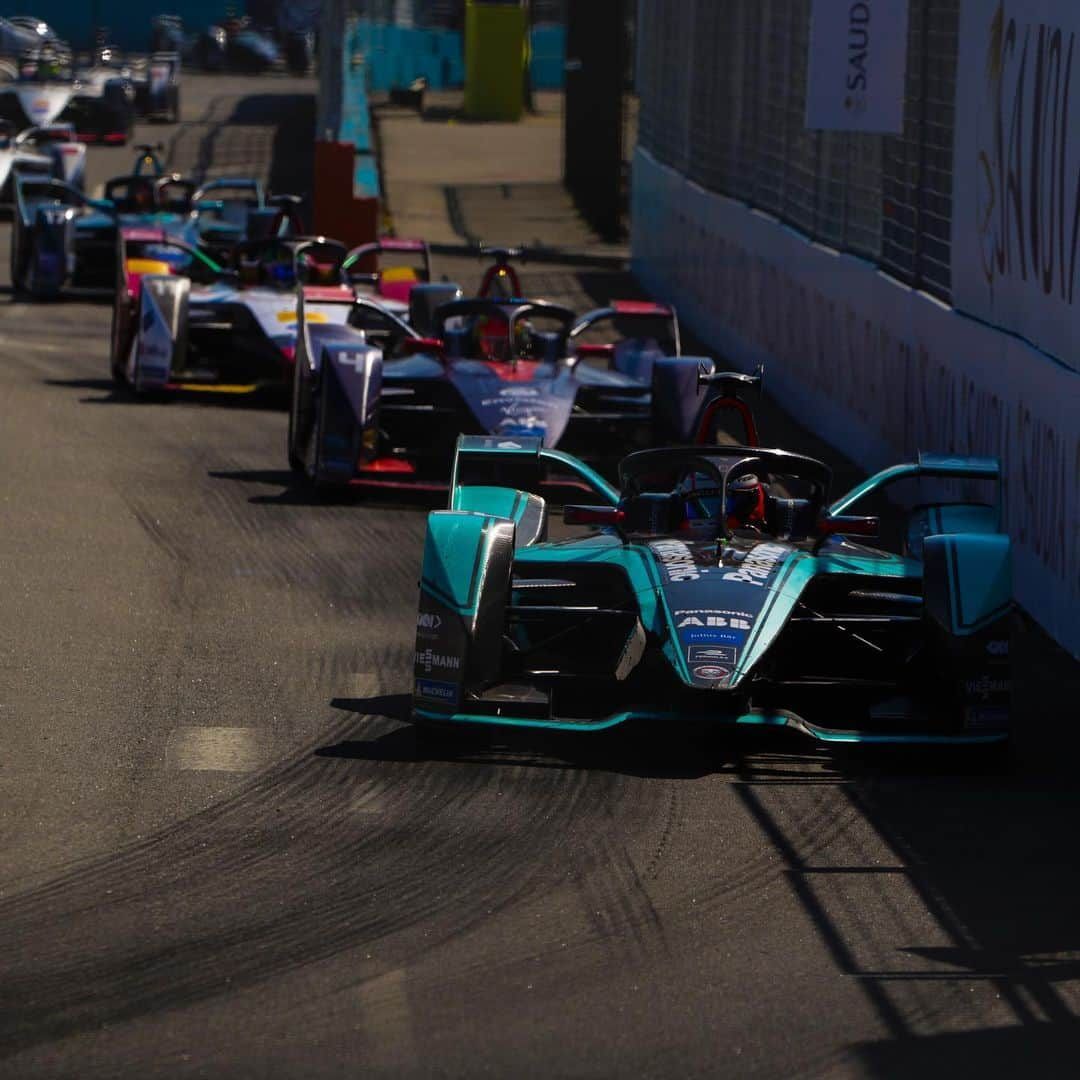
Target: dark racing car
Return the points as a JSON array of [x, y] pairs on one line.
[[62, 239], [381, 401], [719, 585]]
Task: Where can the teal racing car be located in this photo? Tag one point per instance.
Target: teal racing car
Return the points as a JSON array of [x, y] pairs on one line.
[[718, 584]]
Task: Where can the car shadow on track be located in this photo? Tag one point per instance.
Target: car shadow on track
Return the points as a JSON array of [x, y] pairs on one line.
[[298, 492], [968, 876], [678, 753], [106, 386], [114, 394]]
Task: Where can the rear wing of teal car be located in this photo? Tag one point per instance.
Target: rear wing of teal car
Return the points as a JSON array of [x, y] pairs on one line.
[[937, 466], [519, 462]]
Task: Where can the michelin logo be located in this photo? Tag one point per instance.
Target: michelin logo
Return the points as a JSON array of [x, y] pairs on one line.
[[437, 691]]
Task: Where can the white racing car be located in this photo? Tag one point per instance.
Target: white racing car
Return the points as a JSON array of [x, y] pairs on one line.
[[52, 151], [99, 102]]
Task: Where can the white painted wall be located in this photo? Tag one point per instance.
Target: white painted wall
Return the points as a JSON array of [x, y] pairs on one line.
[[877, 369]]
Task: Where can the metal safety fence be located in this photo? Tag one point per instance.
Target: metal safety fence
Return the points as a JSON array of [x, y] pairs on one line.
[[722, 89]]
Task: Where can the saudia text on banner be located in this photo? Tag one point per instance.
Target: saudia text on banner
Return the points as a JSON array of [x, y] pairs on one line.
[[1016, 166], [858, 58]]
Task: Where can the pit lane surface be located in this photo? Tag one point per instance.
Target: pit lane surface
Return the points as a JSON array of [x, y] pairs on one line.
[[222, 854]]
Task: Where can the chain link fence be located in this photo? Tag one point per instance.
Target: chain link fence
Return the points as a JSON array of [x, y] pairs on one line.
[[722, 90]]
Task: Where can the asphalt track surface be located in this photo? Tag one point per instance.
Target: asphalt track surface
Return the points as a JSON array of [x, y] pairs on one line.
[[223, 855]]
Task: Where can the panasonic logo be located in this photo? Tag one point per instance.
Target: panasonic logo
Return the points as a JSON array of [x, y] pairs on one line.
[[757, 565], [676, 559]]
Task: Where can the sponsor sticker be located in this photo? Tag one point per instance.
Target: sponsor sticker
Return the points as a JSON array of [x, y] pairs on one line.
[[676, 559], [757, 564], [711, 654], [430, 626], [437, 691], [711, 672], [428, 659], [714, 637], [735, 622], [537, 429], [984, 686], [986, 716], [998, 648]]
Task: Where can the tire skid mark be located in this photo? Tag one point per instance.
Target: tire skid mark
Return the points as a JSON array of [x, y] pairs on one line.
[[338, 881], [616, 898], [671, 815]]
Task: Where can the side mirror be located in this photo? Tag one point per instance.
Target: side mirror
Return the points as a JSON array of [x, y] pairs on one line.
[[360, 277], [593, 515], [845, 525], [412, 346]]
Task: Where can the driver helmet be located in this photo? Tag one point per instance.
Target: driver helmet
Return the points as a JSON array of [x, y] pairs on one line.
[[701, 500], [745, 502], [48, 65], [280, 269], [489, 338]]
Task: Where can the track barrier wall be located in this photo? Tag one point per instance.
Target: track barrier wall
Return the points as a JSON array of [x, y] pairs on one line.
[[877, 368], [395, 56], [909, 291]]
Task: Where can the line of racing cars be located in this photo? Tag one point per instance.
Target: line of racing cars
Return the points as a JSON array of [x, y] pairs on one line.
[[706, 577], [100, 96]]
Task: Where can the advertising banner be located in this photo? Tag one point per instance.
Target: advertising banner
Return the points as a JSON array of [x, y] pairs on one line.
[[879, 370], [1016, 165], [856, 66]]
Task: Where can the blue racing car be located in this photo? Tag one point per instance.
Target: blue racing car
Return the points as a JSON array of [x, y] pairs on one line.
[[63, 239], [380, 401]]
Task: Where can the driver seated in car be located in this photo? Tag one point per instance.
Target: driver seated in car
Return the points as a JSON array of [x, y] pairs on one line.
[[490, 338], [743, 506], [48, 66]]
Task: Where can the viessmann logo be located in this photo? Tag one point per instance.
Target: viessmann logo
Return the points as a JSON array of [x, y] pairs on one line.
[[429, 659]]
